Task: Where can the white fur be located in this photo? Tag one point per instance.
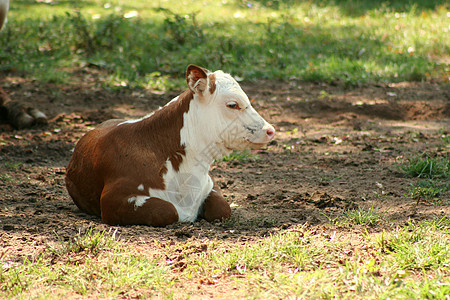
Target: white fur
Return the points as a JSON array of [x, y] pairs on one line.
[[140, 187], [210, 131], [186, 189], [222, 129], [138, 201], [147, 116], [135, 120]]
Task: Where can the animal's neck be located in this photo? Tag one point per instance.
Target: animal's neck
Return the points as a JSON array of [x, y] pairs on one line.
[[185, 132], [161, 130], [199, 135], [170, 117]]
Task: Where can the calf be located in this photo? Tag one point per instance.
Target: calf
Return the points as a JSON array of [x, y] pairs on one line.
[[155, 170]]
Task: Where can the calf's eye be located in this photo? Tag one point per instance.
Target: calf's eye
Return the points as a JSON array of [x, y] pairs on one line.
[[233, 105]]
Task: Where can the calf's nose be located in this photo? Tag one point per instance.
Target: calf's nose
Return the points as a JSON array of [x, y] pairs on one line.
[[270, 132]]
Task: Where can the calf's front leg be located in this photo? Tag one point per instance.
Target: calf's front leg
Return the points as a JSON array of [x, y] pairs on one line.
[[216, 206]]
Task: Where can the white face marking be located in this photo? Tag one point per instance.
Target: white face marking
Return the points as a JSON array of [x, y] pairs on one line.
[[140, 187], [242, 125], [138, 201], [227, 118]]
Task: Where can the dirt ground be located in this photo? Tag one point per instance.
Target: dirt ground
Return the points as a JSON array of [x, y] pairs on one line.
[[336, 149]]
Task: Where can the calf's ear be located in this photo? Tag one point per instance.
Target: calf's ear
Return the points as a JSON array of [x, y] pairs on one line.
[[197, 78]]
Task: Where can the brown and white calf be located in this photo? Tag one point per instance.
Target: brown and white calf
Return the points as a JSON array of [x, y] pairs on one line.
[[155, 170]]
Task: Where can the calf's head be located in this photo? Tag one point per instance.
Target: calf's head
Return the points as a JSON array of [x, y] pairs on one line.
[[223, 112]]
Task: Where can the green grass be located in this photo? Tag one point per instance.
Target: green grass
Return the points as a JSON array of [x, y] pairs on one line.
[[13, 166], [434, 172], [445, 138], [358, 216], [91, 263], [243, 155], [91, 242], [361, 216], [424, 166], [6, 177], [419, 246], [340, 41], [300, 262], [428, 190]]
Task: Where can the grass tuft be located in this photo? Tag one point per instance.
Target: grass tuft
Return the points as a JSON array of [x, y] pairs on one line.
[[90, 242], [445, 138], [14, 166], [420, 246], [360, 216], [426, 167], [244, 155], [428, 190]]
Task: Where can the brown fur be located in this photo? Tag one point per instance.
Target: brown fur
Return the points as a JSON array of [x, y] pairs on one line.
[[212, 83], [216, 207], [111, 161]]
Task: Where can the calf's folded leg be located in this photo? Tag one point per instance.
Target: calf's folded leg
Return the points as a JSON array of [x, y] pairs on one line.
[[121, 205]]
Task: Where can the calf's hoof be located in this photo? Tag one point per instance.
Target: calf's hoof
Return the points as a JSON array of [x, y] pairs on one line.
[[21, 117], [38, 115]]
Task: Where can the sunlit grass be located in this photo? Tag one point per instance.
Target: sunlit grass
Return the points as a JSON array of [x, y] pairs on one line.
[[90, 263], [430, 191], [338, 41], [361, 216], [300, 262], [357, 216]]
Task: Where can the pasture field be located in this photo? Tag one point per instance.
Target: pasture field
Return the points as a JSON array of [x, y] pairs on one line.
[[351, 200], [148, 44]]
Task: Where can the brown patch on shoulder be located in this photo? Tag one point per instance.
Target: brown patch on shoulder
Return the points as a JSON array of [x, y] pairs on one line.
[[212, 83], [168, 122]]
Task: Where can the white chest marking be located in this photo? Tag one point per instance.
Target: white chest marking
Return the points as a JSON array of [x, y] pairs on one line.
[[186, 189]]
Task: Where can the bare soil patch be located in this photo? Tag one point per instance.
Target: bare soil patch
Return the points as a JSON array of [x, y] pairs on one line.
[[336, 149]]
